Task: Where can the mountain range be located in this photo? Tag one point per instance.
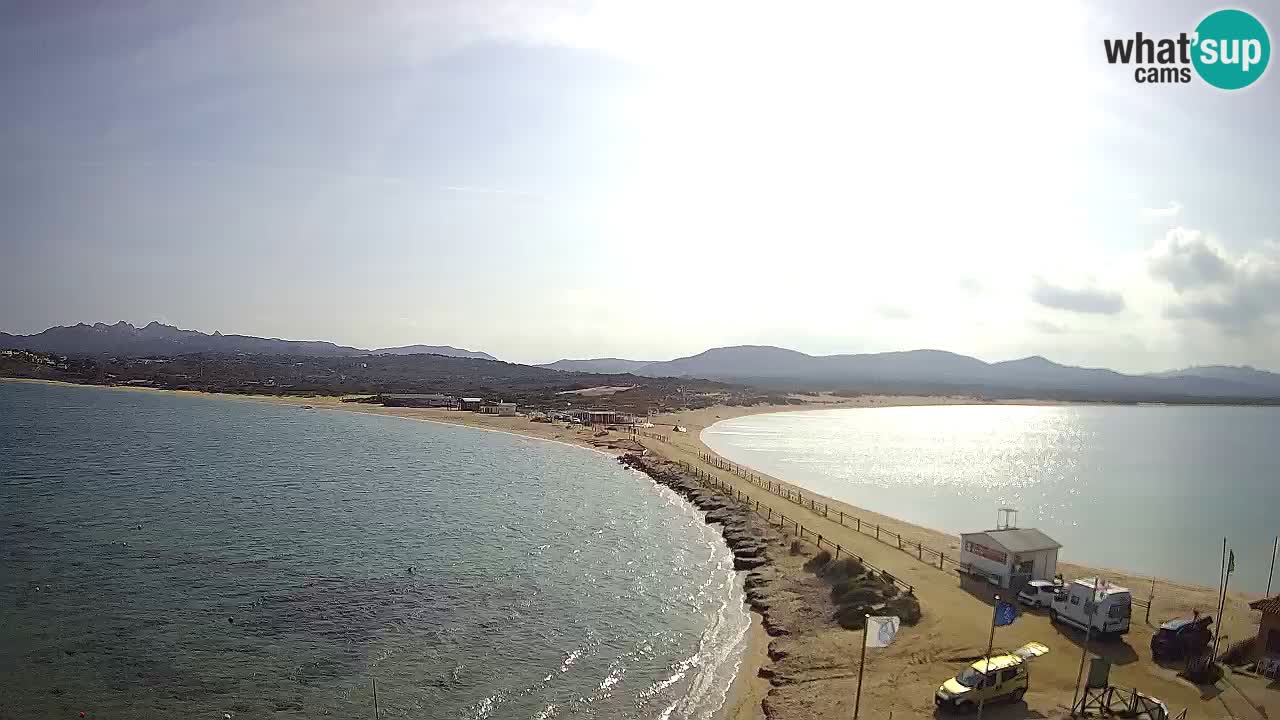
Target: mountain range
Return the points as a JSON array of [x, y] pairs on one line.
[[123, 339], [913, 371], [935, 371]]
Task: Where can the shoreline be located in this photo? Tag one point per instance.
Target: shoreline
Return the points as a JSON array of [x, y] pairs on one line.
[[966, 610], [746, 690], [767, 674]]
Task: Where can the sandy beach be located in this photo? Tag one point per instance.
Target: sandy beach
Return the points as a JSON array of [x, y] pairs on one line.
[[815, 675]]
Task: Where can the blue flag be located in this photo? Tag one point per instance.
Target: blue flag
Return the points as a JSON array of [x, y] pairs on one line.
[[1006, 613]]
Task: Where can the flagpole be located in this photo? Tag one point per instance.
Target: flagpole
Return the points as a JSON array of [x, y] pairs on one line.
[[862, 661], [1275, 546], [1222, 608], [1084, 649], [1222, 592], [990, 643]]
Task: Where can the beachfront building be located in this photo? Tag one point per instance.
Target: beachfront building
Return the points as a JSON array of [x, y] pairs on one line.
[[600, 417], [430, 400], [470, 403], [1009, 557], [1267, 643], [501, 409]]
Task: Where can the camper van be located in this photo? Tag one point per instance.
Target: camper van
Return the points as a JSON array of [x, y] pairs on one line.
[[1091, 603]]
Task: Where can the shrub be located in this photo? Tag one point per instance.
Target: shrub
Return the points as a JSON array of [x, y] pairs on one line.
[[843, 569], [816, 563], [906, 607], [797, 547]]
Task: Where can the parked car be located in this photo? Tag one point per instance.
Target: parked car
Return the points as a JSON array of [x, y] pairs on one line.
[[1182, 637], [1038, 593], [989, 680]]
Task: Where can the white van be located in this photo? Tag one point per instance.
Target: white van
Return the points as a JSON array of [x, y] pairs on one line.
[[1107, 608]]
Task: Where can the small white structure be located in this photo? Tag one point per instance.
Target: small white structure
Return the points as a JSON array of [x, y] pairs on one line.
[[1009, 556], [1096, 603]]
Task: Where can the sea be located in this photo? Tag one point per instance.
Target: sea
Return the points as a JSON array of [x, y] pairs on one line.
[[1145, 489], [167, 555]]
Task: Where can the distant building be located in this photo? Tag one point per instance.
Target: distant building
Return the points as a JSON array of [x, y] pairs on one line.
[[502, 409], [1267, 644], [470, 403], [1010, 556], [598, 417], [430, 400]]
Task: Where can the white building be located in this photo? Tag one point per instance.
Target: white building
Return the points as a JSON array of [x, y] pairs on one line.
[[1009, 557]]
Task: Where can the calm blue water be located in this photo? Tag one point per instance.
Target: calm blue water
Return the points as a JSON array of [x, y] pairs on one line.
[[172, 556], [1147, 489]]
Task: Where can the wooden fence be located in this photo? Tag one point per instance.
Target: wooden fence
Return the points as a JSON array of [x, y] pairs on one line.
[[935, 558], [788, 525]]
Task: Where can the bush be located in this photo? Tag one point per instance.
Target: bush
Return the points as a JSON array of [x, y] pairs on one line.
[[816, 563], [842, 569], [866, 595], [906, 607], [797, 547]]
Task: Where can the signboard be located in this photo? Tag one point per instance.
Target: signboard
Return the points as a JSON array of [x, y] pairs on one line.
[[986, 552]]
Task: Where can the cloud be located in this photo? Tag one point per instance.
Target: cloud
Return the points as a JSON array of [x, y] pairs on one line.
[[1090, 300], [1187, 259], [1047, 327], [1168, 212], [970, 284], [893, 312], [1235, 294]]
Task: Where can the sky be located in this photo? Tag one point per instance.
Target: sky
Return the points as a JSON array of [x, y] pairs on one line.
[[642, 180]]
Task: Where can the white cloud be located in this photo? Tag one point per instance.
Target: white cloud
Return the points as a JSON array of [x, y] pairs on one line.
[[1168, 212], [1088, 298], [1237, 294]]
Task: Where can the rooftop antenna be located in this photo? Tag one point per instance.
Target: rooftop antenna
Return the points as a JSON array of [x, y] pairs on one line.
[[1006, 519]]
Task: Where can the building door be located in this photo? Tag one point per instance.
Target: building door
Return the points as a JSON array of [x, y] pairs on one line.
[[1273, 641]]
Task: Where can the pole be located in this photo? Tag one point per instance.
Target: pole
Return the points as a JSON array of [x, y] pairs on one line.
[[1150, 599], [375, 699], [1222, 607], [990, 643], [1084, 651], [1275, 546], [862, 661], [1222, 594]]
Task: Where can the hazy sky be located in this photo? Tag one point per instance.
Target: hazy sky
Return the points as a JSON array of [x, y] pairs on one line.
[[642, 179]]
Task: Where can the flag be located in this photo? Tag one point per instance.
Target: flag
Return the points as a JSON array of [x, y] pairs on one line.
[[881, 631], [1006, 613], [1231, 562]]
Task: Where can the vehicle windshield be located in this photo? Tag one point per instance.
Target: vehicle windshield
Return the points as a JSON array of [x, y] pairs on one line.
[[970, 678]]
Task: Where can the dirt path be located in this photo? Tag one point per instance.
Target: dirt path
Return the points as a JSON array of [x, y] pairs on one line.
[[819, 671]]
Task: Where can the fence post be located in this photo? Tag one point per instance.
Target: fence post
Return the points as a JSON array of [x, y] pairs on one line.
[[877, 531], [899, 542], [859, 524], [837, 552], [941, 557], [920, 551], [819, 541]]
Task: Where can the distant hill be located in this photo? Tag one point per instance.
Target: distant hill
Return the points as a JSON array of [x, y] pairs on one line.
[[1242, 374], [126, 340], [446, 350], [907, 372], [603, 366], [935, 371]]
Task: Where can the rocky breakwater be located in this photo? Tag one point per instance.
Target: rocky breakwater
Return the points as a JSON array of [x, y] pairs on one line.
[[810, 604]]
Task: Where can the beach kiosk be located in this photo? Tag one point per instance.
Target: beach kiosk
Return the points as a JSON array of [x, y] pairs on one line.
[[1009, 556]]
